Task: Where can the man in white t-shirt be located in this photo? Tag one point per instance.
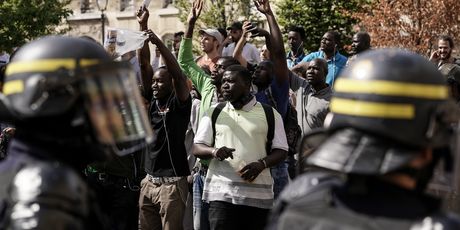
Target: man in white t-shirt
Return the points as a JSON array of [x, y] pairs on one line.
[[250, 51]]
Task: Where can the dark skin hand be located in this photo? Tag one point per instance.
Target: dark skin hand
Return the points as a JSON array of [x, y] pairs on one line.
[[251, 171], [223, 153]]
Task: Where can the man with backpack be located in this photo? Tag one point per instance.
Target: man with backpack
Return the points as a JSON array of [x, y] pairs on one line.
[[238, 185]]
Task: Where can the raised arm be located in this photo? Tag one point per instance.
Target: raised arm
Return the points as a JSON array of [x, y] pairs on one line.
[[275, 45], [179, 78], [238, 51], [144, 54], [185, 58], [195, 12]]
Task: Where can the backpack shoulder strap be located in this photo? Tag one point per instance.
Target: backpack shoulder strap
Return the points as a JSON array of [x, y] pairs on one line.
[[271, 126], [215, 114], [269, 94]]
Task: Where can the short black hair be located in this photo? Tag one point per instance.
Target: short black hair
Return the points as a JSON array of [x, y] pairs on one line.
[[241, 71], [298, 29], [447, 38], [230, 60], [236, 26], [323, 63], [366, 38], [223, 32], [336, 37]]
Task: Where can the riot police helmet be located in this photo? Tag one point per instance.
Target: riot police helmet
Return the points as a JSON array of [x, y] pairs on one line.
[[72, 82], [386, 107]]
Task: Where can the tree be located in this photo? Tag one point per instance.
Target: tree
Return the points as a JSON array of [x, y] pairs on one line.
[[319, 16], [25, 20], [411, 24]]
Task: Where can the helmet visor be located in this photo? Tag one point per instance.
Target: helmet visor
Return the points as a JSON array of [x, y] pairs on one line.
[[115, 108]]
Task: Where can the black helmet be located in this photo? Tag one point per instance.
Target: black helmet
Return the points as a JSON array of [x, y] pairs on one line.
[[386, 107], [56, 78]]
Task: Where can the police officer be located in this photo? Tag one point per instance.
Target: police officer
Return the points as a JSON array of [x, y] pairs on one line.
[[374, 161], [71, 105]]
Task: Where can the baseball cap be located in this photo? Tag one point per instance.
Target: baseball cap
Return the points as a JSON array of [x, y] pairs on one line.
[[214, 33], [236, 26]]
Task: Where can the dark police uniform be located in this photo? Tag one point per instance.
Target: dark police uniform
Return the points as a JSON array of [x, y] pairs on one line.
[[41, 191], [71, 105], [388, 107]]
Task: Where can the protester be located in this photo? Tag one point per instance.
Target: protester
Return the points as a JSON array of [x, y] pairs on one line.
[[443, 55], [209, 88], [264, 53], [296, 36], [270, 88], [164, 190], [313, 94], [329, 50], [210, 41], [361, 42], [250, 51], [238, 187]]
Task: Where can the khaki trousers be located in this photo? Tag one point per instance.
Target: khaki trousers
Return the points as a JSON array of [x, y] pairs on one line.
[[161, 206]]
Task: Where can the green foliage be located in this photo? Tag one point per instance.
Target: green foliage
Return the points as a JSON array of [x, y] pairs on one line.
[[24, 20], [319, 16]]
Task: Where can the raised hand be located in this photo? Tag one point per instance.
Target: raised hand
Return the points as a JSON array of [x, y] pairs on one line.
[[263, 6], [247, 25], [195, 11], [142, 15]]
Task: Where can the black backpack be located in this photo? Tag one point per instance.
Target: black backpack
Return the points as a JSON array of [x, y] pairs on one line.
[[268, 114], [291, 126]]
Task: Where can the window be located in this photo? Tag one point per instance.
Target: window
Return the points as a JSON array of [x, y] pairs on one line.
[[126, 5], [87, 6], [166, 3]]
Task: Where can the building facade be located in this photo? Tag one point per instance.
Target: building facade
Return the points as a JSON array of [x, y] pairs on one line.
[[86, 18]]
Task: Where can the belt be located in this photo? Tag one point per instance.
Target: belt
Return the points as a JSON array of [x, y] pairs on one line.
[[162, 180], [107, 177]]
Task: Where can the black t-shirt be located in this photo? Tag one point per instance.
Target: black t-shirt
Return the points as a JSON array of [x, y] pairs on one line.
[[170, 148]]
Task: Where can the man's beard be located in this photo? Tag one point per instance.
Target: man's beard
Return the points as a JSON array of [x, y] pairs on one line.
[[447, 57]]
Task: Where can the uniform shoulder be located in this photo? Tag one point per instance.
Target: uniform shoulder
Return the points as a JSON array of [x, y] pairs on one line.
[[308, 183], [448, 221], [43, 180]]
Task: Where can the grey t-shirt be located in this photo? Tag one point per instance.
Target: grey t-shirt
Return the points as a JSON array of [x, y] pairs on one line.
[[312, 106]]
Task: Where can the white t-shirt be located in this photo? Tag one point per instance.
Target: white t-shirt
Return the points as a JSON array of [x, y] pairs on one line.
[[244, 130], [250, 52]]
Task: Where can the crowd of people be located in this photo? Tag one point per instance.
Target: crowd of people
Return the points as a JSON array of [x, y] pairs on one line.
[[231, 138]]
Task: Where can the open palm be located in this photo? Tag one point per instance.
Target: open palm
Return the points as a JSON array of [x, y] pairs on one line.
[[263, 6]]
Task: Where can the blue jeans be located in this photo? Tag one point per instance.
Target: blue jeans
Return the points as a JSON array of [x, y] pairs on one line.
[[200, 208], [280, 177]]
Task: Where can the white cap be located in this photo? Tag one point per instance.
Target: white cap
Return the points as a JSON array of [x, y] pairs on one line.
[[213, 33]]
